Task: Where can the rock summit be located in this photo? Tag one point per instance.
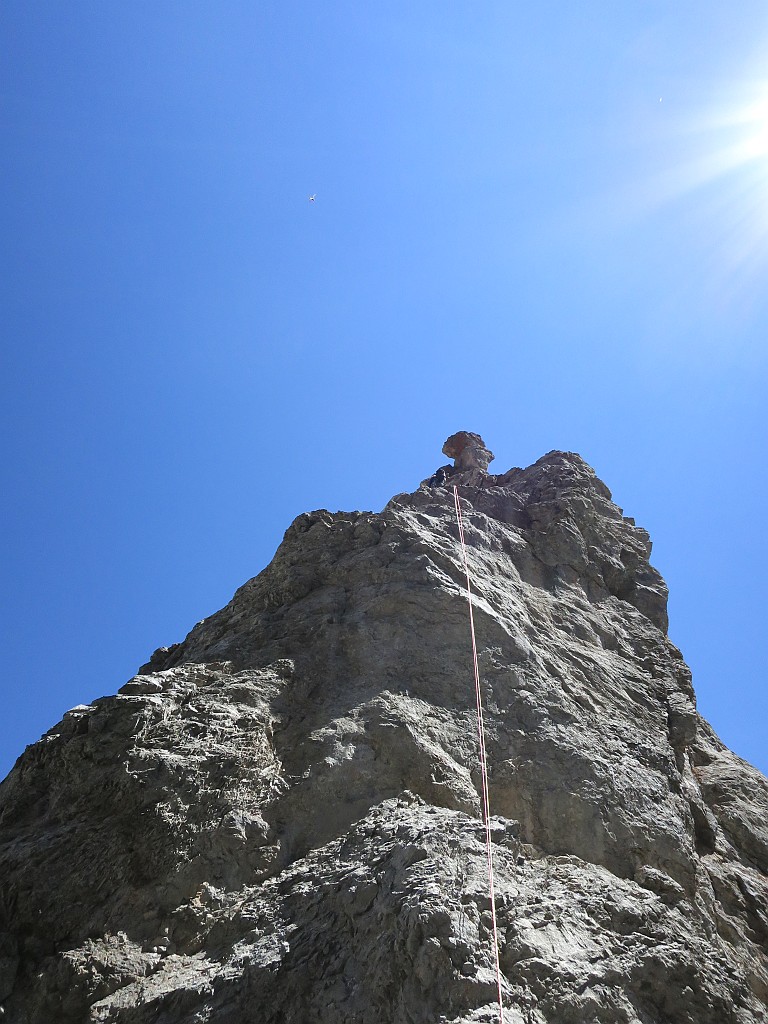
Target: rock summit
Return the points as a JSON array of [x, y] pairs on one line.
[[278, 821]]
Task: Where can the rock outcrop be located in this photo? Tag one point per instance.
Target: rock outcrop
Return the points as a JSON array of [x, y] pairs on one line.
[[278, 819], [469, 451]]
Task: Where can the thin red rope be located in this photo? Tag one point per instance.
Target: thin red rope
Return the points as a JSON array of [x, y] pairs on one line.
[[483, 759]]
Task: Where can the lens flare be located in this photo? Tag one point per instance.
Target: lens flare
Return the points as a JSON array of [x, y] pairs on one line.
[[707, 168]]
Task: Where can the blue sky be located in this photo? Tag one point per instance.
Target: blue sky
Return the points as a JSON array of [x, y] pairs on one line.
[[544, 222]]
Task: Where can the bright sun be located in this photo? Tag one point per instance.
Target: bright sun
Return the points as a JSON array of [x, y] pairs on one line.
[[716, 154], [756, 130]]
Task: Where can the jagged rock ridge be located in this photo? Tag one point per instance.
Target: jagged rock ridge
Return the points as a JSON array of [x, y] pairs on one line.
[[278, 819]]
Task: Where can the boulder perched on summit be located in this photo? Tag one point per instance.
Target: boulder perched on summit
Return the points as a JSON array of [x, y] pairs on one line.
[[469, 451], [278, 820]]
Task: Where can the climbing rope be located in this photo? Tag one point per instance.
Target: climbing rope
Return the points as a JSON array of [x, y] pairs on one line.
[[483, 760]]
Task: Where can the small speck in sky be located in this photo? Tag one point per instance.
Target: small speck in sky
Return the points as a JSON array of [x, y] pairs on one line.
[[312, 198]]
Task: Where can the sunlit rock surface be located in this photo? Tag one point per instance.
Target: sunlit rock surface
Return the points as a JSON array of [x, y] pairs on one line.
[[278, 819]]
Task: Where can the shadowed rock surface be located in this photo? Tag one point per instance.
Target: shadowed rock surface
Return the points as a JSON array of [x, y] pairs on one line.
[[278, 819]]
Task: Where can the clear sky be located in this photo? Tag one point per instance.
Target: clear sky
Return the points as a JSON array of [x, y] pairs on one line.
[[546, 222]]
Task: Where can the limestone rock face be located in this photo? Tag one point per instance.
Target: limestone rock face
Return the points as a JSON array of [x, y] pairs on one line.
[[278, 819]]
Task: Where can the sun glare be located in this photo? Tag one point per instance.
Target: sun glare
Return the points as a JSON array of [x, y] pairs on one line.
[[715, 157], [756, 122]]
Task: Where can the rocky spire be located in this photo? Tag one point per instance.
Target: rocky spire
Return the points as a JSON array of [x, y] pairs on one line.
[[277, 819], [469, 451], [471, 461]]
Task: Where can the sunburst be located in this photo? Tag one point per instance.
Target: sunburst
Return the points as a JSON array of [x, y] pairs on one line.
[[713, 156]]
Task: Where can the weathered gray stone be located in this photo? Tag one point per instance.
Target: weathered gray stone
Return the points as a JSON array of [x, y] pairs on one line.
[[278, 821]]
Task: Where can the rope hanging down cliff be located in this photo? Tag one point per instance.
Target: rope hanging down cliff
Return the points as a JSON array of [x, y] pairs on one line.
[[483, 762]]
